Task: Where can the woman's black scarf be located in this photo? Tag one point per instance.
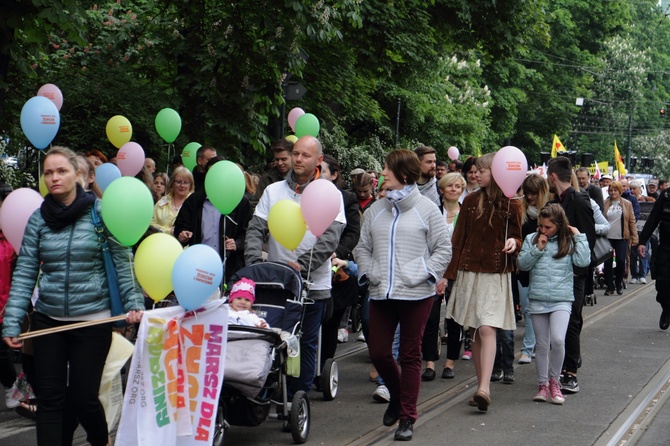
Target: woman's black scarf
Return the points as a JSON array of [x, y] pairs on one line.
[[57, 216]]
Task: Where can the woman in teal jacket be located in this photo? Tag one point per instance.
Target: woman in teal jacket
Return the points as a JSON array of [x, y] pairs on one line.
[[61, 253]]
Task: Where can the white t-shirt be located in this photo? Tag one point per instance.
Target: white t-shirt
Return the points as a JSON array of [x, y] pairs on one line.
[[244, 317], [320, 277]]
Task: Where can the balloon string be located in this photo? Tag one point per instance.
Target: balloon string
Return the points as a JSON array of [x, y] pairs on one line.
[[509, 203], [309, 266]]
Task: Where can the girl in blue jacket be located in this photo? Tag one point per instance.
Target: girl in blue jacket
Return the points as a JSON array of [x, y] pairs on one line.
[[549, 255]]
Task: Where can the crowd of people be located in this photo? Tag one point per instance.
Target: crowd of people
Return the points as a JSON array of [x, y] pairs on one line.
[[421, 244]]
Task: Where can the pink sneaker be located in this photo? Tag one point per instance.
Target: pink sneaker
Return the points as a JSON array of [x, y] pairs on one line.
[[555, 391], [542, 394], [467, 355]]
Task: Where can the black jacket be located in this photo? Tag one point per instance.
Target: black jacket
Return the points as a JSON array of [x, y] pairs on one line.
[[190, 219], [577, 207]]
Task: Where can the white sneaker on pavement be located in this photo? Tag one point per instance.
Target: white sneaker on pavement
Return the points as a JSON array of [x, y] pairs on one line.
[[633, 280], [342, 335], [643, 280], [524, 359], [361, 337], [10, 402], [381, 394]]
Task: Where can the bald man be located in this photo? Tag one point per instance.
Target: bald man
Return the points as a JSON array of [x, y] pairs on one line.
[[312, 255]]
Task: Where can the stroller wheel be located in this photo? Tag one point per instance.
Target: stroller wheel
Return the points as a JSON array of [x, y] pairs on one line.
[[300, 420], [220, 426], [356, 318], [329, 379]]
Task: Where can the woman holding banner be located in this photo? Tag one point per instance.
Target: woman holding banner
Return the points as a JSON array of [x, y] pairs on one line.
[[62, 254]]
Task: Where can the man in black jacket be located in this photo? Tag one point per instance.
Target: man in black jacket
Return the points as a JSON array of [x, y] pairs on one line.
[[577, 207], [225, 233], [660, 271]]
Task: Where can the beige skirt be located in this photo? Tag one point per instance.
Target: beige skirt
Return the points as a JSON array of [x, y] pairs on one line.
[[479, 299]]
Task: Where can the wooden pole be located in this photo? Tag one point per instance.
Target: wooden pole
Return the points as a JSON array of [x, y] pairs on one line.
[[46, 331]]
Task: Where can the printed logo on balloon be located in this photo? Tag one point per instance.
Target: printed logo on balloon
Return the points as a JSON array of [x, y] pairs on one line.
[[509, 169], [40, 121]]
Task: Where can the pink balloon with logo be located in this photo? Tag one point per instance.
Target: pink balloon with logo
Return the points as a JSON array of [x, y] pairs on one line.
[[52, 92], [320, 204], [509, 169], [15, 212], [453, 153], [293, 116], [130, 159]]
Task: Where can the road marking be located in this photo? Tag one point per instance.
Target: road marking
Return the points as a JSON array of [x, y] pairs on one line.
[[14, 427]]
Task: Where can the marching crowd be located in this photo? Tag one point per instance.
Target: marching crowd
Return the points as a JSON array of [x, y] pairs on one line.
[[421, 239]]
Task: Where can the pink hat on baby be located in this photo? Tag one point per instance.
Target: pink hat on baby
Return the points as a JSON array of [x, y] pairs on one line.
[[243, 288]]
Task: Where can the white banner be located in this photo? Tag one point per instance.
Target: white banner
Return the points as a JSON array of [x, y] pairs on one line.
[[175, 377]]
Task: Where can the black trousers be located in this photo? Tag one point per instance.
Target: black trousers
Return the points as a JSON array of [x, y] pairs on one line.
[[572, 344], [75, 390]]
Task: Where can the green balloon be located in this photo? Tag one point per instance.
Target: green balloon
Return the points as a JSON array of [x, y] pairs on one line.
[[225, 186], [168, 124], [189, 156], [307, 124], [127, 208]]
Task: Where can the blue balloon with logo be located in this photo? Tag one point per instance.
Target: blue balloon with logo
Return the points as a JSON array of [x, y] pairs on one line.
[[196, 275], [40, 121], [105, 174]]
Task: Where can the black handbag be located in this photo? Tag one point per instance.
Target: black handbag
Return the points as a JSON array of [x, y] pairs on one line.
[[602, 250], [115, 304]]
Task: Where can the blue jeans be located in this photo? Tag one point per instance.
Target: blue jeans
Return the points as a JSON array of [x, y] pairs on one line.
[[638, 265], [529, 333], [309, 343], [504, 350]]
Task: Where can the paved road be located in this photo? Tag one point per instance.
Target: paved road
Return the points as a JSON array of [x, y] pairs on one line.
[[624, 378]]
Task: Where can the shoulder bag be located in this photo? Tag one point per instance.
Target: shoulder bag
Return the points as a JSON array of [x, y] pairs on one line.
[[116, 306], [602, 250]]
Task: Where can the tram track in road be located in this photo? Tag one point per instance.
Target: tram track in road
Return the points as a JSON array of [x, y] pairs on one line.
[[627, 427]]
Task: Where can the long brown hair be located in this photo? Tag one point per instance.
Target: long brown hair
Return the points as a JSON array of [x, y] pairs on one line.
[[554, 212], [494, 195], [537, 185]]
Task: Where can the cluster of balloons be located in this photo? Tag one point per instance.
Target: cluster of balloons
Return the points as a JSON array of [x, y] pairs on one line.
[[40, 116], [319, 205], [302, 124]]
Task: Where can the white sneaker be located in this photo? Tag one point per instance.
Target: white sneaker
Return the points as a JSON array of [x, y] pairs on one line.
[[361, 337], [524, 359], [643, 280], [633, 281], [381, 394], [342, 335], [10, 402]]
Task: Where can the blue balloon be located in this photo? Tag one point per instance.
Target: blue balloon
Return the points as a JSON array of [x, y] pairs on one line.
[[196, 275], [105, 174], [40, 121]]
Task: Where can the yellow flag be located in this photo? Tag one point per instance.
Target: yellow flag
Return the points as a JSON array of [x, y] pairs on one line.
[[618, 161], [556, 147]]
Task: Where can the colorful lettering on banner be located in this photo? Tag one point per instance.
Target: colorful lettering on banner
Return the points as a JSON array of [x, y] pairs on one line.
[[177, 373]]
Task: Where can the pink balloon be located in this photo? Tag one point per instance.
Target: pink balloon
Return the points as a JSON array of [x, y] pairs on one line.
[[52, 92], [15, 212], [320, 204], [509, 169], [453, 153], [293, 116], [130, 159]]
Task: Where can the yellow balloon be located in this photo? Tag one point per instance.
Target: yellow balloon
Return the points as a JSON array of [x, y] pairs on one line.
[[43, 186], [154, 260], [119, 130], [286, 223], [291, 138]]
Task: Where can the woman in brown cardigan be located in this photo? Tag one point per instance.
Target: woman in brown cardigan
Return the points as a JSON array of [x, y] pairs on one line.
[[485, 239], [622, 235]]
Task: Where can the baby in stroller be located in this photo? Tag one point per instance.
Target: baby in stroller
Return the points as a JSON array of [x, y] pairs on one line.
[[241, 298]]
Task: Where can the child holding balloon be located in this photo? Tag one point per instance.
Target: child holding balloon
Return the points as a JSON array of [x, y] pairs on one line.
[[488, 233]]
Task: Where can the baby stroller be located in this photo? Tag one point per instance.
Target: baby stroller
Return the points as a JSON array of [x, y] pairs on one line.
[[258, 360]]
